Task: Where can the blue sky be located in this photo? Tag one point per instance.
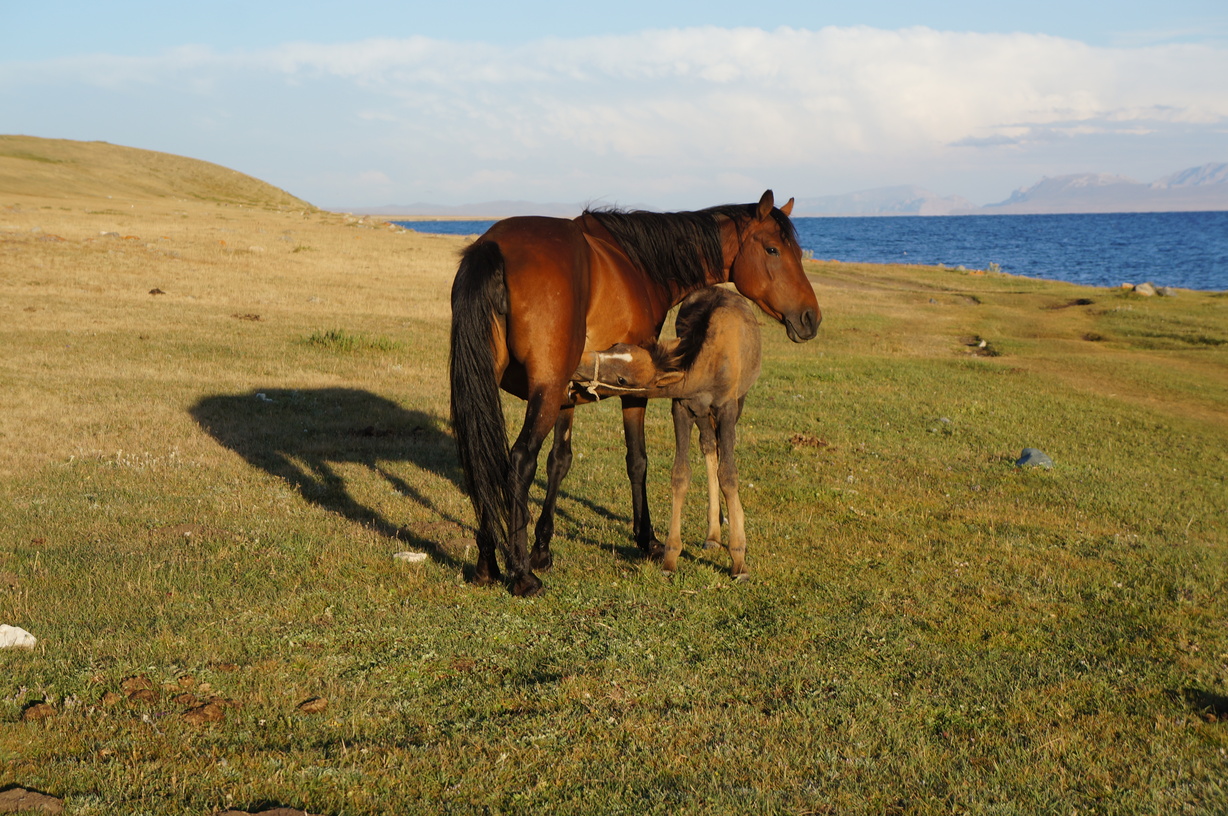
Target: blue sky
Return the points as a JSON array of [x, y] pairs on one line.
[[670, 105]]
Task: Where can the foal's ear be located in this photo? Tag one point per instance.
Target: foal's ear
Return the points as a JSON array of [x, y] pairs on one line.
[[766, 202], [787, 209], [668, 378]]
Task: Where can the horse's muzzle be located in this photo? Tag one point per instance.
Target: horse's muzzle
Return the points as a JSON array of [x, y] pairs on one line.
[[801, 328]]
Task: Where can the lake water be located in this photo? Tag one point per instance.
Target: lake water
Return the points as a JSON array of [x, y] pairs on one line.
[[1186, 250]]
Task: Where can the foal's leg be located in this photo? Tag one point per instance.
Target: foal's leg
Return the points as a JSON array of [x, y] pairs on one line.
[[680, 480], [637, 473], [727, 469], [539, 418], [707, 444], [556, 469]]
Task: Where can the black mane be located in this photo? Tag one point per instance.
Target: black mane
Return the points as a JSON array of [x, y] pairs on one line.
[[674, 249]]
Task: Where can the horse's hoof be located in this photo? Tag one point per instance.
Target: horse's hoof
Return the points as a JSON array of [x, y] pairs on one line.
[[527, 585], [712, 544], [485, 578], [541, 560], [654, 550], [741, 577]]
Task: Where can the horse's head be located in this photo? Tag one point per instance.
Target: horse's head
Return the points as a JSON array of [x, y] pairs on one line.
[[768, 269], [623, 369]]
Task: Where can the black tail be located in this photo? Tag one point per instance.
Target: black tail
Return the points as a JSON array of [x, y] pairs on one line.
[[478, 299]]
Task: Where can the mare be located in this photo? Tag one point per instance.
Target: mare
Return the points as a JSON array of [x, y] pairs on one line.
[[707, 372], [532, 294]]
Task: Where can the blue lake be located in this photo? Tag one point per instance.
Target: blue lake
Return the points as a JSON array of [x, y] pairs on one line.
[[1187, 250]]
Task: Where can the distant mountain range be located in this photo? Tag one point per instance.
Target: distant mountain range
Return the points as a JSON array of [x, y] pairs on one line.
[[487, 209], [1194, 189], [1198, 188]]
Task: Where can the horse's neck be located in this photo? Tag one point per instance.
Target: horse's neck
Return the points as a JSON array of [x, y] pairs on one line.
[[731, 245]]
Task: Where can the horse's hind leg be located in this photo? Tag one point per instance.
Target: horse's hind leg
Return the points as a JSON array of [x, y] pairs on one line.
[[539, 418], [680, 480], [556, 469], [707, 445], [727, 470]]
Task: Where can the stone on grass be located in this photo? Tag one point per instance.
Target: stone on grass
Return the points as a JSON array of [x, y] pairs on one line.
[[313, 705], [410, 557], [37, 711], [207, 713], [14, 637], [1031, 457], [21, 800]]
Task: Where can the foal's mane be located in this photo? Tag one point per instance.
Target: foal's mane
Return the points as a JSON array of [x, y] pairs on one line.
[[681, 248]]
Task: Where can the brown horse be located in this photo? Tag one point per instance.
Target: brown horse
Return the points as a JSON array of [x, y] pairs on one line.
[[707, 372], [533, 294]]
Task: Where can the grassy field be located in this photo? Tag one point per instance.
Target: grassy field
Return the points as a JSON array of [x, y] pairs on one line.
[[222, 412]]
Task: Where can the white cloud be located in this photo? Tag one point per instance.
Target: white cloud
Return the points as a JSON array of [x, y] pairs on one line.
[[687, 109]]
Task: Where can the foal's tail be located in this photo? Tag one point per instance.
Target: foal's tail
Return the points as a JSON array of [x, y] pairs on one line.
[[478, 299]]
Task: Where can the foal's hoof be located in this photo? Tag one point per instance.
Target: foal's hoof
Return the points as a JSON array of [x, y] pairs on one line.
[[527, 585], [741, 577], [712, 544]]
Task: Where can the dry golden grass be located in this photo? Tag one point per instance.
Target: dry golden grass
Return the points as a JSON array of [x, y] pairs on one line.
[[123, 281], [928, 629]]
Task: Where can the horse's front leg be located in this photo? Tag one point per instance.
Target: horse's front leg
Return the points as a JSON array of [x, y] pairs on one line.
[[556, 470], [727, 469], [539, 418], [637, 473]]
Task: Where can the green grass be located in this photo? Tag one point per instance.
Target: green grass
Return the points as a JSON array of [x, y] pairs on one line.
[[349, 342], [928, 629]]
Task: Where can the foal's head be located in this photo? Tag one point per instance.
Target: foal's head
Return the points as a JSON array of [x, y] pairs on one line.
[[623, 368]]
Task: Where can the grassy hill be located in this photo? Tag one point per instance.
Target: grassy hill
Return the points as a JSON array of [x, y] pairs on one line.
[[219, 423], [63, 169]]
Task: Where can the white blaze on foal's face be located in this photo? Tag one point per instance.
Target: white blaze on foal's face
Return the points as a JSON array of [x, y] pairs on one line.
[[625, 366]]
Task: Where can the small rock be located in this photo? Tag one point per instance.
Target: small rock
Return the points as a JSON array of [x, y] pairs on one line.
[[14, 637], [37, 711], [143, 696], [313, 705], [410, 557], [207, 713], [1145, 289], [1031, 457], [136, 683], [20, 800]]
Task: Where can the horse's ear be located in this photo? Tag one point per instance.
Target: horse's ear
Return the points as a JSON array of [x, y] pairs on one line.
[[787, 209], [765, 205]]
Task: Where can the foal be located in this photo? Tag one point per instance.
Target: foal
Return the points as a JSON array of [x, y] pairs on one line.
[[707, 371]]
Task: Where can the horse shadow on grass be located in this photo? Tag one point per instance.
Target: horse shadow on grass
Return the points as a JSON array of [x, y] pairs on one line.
[[304, 436]]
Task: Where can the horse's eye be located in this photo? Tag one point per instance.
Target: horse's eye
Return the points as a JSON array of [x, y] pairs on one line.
[[773, 251], [622, 380]]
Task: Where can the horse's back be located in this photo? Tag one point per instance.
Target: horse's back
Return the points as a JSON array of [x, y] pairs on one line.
[[731, 346]]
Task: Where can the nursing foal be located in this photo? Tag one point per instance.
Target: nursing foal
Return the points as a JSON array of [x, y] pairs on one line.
[[707, 371]]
